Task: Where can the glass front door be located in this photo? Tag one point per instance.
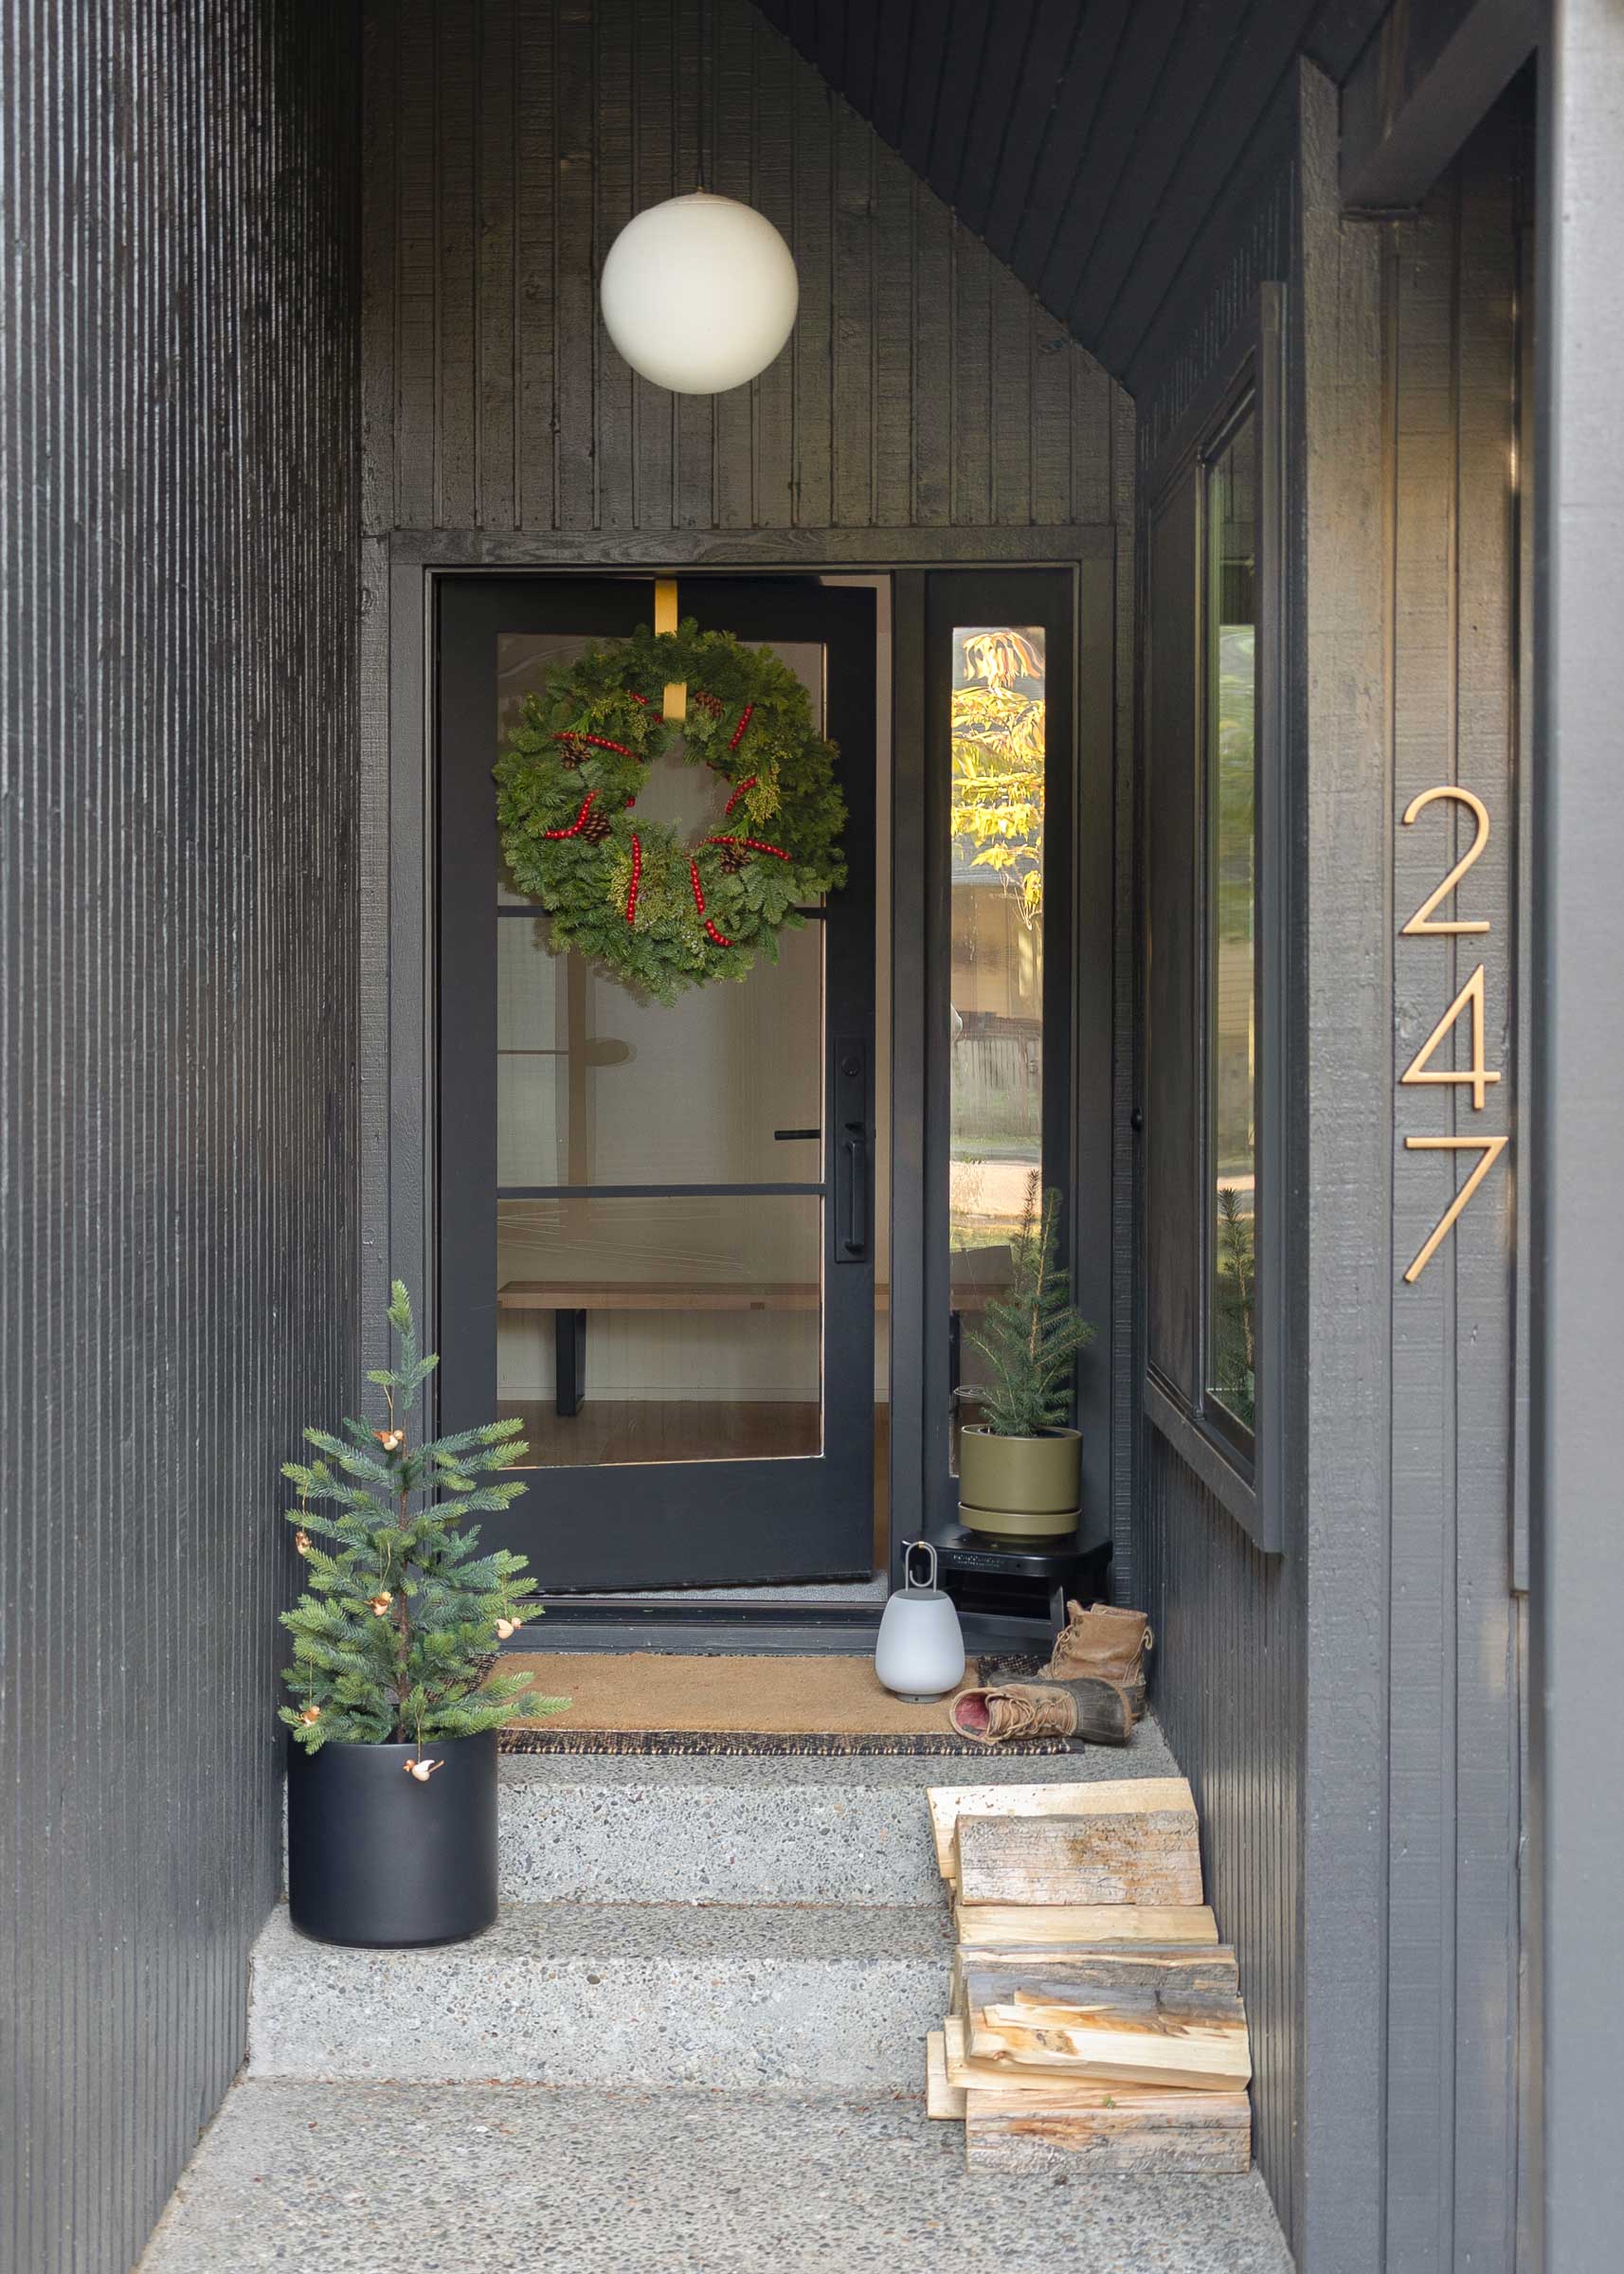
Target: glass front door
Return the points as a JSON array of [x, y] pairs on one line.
[[655, 1220]]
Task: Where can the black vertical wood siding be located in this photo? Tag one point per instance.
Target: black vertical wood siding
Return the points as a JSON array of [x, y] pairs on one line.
[[178, 509], [1450, 306], [1350, 1712], [1229, 1622], [927, 408], [1084, 139], [924, 387], [1230, 1666]]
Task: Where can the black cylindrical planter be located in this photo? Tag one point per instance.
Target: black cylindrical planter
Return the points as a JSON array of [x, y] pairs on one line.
[[375, 1857]]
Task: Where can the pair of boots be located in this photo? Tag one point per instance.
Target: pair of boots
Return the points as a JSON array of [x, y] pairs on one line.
[[1093, 1688]]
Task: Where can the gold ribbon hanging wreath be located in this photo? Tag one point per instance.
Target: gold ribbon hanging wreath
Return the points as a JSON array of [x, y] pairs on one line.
[[660, 912]]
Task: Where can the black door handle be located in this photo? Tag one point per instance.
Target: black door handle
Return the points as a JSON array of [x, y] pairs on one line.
[[780, 1136], [851, 1103], [856, 1237]]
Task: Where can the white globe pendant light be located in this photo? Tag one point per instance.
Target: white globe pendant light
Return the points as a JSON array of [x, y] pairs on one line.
[[699, 294]]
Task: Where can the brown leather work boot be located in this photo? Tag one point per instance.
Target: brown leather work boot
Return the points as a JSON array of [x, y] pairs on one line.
[[1089, 1711], [1108, 1643]]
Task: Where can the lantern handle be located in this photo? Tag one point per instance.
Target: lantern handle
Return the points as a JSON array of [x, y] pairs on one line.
[[908, 1548]]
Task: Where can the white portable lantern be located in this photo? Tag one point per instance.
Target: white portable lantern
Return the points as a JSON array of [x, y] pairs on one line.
[[920, 1653]]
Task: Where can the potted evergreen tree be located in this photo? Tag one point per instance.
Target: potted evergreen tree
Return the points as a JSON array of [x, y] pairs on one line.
[[1020, 1470], [392, 1774]]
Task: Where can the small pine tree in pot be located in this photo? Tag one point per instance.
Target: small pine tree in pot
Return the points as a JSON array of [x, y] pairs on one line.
[[1020, 1470], [392, 1773]]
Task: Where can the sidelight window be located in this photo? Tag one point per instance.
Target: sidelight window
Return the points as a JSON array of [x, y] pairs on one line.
[[1000, 717], [999, 953]]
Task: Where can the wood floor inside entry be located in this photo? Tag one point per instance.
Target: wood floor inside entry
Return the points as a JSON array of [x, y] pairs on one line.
[[610, 1432]]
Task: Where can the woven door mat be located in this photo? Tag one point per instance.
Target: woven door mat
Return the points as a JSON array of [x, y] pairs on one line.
[[653, 1703]]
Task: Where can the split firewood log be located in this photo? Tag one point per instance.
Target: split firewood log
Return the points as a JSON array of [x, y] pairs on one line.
[[1130, 2040], [1059, 1929], [1112, 2134], [1150, 1856], [1183, 1978], [1104, 1796]]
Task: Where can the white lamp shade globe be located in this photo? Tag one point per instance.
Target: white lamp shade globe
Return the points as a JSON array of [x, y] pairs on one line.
[[699, 294]]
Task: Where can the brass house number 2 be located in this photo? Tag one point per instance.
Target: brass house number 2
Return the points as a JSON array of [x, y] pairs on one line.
[[1475, 1075]]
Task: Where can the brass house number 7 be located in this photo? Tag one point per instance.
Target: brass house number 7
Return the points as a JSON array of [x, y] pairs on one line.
[[1475, 1075]]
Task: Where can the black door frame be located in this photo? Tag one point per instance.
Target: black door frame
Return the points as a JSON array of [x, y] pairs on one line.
[[676, 1523], [397, 1228]]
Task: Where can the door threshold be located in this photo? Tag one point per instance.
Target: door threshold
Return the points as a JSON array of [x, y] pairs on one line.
[[719, 1630], [853, 1595]]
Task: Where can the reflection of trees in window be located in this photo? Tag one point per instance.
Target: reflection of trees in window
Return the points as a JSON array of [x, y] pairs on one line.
[[996, 822], [997, 734], [1234, 1351]]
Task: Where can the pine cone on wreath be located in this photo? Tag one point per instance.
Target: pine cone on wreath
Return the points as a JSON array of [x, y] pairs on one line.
[[572, 751], [596, 827], [734, 858]]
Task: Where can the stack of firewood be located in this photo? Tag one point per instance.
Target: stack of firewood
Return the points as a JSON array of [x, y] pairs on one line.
[[1096, 2017]]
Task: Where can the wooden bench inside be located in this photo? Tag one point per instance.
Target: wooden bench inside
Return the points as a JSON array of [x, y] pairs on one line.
[[695, 1294], [570, 1300], [659, 1294]]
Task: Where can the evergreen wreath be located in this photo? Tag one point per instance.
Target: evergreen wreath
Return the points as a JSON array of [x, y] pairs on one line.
[[662, 913]]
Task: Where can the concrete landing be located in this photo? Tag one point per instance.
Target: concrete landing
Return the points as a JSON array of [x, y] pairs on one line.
[[373, 2179]]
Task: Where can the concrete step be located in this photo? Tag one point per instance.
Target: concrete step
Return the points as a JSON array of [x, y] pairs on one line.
[[808, 1999], [743, 1828], [370, 2178]]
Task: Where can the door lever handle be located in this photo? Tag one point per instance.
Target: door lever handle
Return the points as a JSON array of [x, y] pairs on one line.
[[857, 1193], [848, 1108], [779, 1136]]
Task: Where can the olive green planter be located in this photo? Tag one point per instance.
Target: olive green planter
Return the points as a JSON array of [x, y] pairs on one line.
[[1020, 1488]]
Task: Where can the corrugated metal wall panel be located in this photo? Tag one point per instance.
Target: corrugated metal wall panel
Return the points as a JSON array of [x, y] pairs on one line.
[[178, 511]]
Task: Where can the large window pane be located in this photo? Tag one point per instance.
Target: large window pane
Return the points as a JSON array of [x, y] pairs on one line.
[[996, 930], [596, 1087], [1231, 885], [702, 1319], [691, 1323]]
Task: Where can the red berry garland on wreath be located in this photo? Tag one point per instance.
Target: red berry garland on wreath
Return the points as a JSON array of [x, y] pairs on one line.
[[662, 913]]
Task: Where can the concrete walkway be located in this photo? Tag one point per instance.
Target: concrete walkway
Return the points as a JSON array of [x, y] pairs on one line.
[[354, 2178]]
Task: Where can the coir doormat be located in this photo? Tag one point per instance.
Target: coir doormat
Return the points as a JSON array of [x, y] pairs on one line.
[[655, 1703], [537, 1737]]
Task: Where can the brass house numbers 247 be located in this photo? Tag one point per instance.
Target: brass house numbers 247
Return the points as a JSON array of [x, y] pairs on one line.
[[1476, 1077]]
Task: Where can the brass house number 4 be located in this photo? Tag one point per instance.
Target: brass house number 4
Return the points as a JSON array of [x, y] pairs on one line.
[[1475, 1075]]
